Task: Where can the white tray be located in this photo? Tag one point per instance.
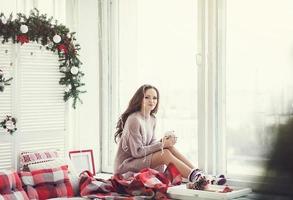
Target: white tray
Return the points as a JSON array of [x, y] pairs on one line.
[[181, 192]]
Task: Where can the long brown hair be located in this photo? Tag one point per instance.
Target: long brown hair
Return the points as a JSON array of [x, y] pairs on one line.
[[134, 106]]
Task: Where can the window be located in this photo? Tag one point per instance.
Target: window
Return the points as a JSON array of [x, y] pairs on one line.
[[230, 103], [258, 80], [155, 44]]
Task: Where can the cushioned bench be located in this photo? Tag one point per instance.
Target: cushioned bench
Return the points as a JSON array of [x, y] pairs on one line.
[[42, 175]]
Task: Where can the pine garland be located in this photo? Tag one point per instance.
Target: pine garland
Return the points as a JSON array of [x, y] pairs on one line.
[[55, 37]]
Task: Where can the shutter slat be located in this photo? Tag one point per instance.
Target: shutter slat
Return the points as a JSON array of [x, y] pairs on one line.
[[53, 142], [6, 158], [43, 106]]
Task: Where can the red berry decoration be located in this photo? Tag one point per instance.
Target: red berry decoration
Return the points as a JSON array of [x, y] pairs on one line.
[[226, 189]]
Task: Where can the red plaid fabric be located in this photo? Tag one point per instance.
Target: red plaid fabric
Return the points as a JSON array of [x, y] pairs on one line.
[[173, 175], [11, 186], [47, 183], [91, 187], [147, 184], [29, 158]]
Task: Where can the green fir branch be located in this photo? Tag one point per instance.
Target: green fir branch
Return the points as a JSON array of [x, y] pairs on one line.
[[42, 30]]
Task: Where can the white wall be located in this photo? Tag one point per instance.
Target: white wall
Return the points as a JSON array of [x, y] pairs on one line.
[[85, 124]]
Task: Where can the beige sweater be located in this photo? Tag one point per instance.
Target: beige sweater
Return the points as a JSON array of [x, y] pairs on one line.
[[137, 144]]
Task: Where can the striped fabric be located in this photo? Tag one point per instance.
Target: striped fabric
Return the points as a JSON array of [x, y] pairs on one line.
[[11, 186], [47, 183], [29, 158]]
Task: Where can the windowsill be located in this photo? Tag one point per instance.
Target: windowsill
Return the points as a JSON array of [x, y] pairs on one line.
[[251, 196], [102, 175], [269, 190]]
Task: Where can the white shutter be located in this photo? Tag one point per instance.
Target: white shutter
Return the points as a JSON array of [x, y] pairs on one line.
[[41, 108], [35, 98]]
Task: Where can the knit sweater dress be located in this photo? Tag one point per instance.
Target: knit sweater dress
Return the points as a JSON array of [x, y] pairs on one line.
[[137, 144]]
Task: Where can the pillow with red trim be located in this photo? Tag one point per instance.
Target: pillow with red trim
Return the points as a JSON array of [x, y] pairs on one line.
[[11, 186], [47, 183], [30, 158]]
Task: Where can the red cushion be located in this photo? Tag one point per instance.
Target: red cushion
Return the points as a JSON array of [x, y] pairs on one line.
[[47, 183], [11, 186]]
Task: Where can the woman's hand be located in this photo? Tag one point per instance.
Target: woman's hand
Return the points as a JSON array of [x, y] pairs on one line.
[[168, 141]]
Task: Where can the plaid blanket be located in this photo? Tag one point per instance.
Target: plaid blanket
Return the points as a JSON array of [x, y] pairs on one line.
[[147, 184]]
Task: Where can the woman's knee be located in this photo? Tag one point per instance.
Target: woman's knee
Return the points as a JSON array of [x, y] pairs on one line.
[[166, 152], [172, 149], [167, 155], [164, 157]]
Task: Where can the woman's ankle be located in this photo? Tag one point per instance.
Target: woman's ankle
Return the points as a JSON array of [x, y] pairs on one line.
[[194, 175]]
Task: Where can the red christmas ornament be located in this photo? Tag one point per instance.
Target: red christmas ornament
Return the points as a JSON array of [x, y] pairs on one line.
[[22, 39], [63, 48]]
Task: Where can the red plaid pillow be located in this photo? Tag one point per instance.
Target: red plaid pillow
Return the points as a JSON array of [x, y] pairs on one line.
[[10, 186], [47, 183], [29, 158]]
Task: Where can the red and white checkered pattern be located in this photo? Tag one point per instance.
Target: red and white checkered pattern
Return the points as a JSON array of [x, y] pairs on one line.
[[19, 195], [11, 186], [147, 184], [29, 158], [47, 183]]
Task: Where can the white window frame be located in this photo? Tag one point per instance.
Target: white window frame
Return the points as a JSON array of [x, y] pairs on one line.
[[108, 73], [252, 181], [211, 139]]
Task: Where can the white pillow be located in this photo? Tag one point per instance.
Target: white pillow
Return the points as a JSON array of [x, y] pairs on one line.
[[29, 158]]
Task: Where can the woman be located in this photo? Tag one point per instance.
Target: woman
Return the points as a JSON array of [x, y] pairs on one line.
[[138, 147]]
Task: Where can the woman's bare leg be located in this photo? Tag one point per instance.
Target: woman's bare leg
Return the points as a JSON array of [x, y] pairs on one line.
[[181, 157], [167, 157]]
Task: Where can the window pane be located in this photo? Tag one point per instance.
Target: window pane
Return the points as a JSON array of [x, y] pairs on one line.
[[258, 79], [157, 45]]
